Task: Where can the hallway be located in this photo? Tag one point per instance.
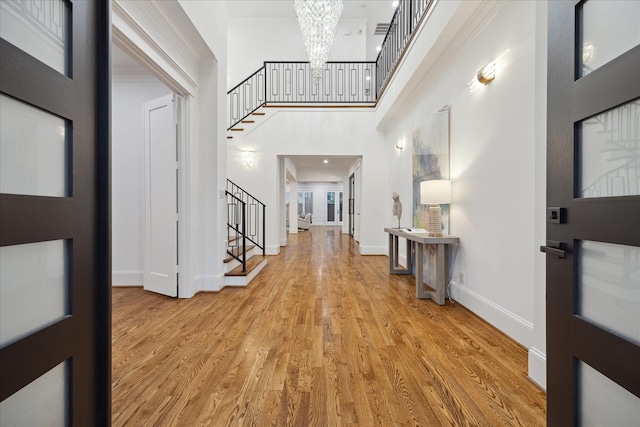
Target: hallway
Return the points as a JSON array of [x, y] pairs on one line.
[[322, 337]]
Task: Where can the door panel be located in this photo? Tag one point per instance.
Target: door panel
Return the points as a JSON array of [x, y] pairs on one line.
[[593, 158], [35, 288], [34, 151], [55, 213], [331, 206], [161, 197], [50, 391], [352, 191]]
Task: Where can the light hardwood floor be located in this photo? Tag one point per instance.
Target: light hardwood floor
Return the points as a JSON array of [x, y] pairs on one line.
[[322, 337]]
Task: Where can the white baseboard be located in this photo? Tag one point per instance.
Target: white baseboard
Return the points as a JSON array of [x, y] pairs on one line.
[[509, 323], [373, 250], [272, 250], [538, 367], [209, 282], [127, 278]]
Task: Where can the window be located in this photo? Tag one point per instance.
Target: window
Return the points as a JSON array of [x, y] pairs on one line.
[[305, 203]]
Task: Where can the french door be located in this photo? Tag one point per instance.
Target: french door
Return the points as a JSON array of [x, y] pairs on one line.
[[352, 196], [55, 273], [334, 207], [593, 214]]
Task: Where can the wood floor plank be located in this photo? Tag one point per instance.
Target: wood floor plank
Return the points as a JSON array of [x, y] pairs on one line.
[[321, 337]]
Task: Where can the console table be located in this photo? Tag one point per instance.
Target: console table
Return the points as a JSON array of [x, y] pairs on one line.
[[415, 247]]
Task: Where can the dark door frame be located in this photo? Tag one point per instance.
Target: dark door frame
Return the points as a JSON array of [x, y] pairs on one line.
[[82, 219]]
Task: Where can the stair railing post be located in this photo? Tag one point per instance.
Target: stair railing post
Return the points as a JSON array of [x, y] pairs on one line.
[[244, 237], [264, 230]]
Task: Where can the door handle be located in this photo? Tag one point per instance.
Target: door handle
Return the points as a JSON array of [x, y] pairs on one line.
[[554, 248]]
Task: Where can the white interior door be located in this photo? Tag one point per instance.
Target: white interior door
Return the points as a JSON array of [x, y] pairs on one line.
[[161, 172]]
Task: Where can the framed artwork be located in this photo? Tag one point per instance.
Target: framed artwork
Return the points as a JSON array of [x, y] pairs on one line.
[[430, 160]]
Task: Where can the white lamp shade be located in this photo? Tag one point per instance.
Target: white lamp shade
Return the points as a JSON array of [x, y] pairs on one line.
[[435, 191]]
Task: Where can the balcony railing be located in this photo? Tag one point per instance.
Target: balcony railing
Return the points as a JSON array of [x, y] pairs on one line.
[[342, 82], [406, 19]]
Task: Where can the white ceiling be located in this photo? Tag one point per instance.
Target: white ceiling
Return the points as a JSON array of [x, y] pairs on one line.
[[373, 11], [317, 162], [377, 10]]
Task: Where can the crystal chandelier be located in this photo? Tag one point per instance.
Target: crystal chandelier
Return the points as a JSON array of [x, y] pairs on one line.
[[318, 21]]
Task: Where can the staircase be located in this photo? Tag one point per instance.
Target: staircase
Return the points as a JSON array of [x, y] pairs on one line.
[[245, 126], [246, 254]]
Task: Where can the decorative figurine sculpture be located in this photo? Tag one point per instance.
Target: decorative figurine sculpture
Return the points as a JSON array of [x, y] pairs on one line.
[[397, 207]]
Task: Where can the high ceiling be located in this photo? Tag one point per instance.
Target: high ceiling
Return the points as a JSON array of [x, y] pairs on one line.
[[377, 10], [373, 11]]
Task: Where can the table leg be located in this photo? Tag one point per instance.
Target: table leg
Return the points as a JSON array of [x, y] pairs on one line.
[[420, 293], [391, 261], [442, 267], [409, 255]]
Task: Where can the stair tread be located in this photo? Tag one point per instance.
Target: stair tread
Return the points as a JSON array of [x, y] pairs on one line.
[[248, 121], [258, 113], [237, 251], [252, 263], [237, 129], [229, 137]]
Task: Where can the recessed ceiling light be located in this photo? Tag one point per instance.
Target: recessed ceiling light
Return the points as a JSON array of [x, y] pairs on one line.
[[378, 48], [325, 161], [395, 3]]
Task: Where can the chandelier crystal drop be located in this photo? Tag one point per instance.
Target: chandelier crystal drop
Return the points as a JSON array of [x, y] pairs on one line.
[[318, 20]]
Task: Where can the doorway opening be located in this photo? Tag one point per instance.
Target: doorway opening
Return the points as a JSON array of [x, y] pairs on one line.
[[147, 174]]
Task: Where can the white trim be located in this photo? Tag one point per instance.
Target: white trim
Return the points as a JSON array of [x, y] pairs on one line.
[[127, 278], [209, 282], [136, 42], [186, 287], [373, 250], [244, 280], [272, 250], [538, 367], [509, 323]]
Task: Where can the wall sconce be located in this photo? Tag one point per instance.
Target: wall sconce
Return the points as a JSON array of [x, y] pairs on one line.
[[248, 159], [435, 193], [487, 73], [400, 144]]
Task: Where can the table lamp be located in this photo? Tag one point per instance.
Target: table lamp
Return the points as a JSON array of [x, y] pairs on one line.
[[434, 193]]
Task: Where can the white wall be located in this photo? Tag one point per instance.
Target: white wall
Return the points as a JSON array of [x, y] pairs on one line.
[[127, 145], [496, 155], [254, 41], [209, 156], [317, 132]]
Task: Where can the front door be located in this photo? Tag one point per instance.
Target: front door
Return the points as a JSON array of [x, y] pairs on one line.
[[55, 272], [161, 206], [593, 214]]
